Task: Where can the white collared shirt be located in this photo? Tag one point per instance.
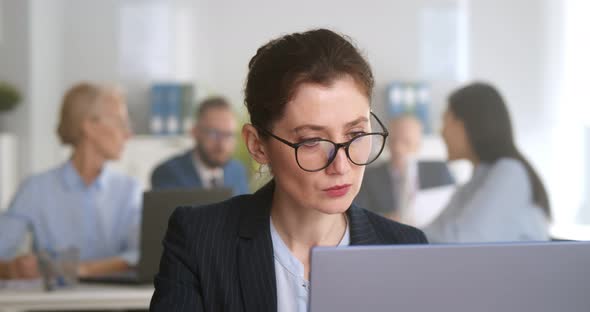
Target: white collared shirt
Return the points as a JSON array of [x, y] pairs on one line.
[[207, 174], [292, 287]]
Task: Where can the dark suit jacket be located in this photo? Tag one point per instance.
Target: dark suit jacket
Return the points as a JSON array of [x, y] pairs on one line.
[[376, 192], [220, 257], [180, 172]]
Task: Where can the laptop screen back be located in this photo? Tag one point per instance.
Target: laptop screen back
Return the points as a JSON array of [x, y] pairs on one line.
[[540, 277]]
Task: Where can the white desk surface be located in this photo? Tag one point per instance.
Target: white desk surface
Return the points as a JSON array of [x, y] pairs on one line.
[[82, 297]]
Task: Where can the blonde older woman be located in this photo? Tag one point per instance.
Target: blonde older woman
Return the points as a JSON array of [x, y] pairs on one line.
[[81, 203]]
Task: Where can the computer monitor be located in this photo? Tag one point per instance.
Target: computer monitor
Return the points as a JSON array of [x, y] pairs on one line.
[[158, 206], [536, 277]]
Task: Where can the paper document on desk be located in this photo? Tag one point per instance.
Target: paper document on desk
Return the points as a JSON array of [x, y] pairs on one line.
[[429, 203]]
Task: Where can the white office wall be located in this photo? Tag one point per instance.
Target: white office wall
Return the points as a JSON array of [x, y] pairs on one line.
[[225, 36], [1, 21], [49, 45], [163, 35], [574, 116], [506, 49], [388, 31], [519, 46], [8, 168], [90, 41], [31, 56], [514, 44], [14, 68], [46, 81]]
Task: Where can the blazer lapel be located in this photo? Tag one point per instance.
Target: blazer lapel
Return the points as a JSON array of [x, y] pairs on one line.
[[228, 178], [255, 254], [361, 229], [189, 170]]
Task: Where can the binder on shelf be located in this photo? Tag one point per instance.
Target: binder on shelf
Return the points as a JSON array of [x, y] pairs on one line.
[[174, 109], [422, 106], [395, 99], [405, 97], [171, 108], [157, 107]]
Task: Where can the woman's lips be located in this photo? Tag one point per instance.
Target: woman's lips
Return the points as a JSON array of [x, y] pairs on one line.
[[337, 190]]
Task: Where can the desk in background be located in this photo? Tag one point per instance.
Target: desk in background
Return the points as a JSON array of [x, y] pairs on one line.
[[82, 297]]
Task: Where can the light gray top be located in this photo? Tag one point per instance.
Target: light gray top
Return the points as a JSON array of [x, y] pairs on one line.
[[495, 205]]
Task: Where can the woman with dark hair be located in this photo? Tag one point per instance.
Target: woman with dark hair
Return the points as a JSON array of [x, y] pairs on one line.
[[308, 95], [505, 199]]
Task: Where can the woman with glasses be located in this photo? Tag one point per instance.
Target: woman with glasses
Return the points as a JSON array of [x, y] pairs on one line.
[[81, 205], [308, 95]]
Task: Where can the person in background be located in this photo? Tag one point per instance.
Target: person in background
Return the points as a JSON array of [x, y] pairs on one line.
[[390, 187], [82, 203], [308, 95], [209, 163], [505, 199]]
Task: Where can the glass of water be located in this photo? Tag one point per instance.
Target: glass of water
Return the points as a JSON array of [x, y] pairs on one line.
[[59, 268]]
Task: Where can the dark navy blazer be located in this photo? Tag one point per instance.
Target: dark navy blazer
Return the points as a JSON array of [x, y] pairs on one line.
[[180, 172], [220, 257]]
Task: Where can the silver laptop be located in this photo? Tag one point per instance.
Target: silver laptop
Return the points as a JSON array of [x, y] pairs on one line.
[[523, 277], [158, 206]]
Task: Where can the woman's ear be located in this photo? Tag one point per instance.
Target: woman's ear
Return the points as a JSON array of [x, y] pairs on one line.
[[87, 127], [254, 144]]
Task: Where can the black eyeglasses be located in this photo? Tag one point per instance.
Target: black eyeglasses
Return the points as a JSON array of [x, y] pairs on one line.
[[317, 154]]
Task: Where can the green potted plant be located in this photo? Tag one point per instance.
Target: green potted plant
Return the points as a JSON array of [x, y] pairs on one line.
[[9, 97]]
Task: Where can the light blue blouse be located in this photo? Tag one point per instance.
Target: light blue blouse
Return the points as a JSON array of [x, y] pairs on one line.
[[101, 219], [495, 205], [292, 287]]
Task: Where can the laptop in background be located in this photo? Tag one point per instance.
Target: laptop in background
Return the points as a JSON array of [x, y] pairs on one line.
[[539, 277], [158, 206]]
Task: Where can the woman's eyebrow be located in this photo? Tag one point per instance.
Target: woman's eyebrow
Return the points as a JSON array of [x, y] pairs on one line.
[[313, 127], [357, 121], [309, 127]]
